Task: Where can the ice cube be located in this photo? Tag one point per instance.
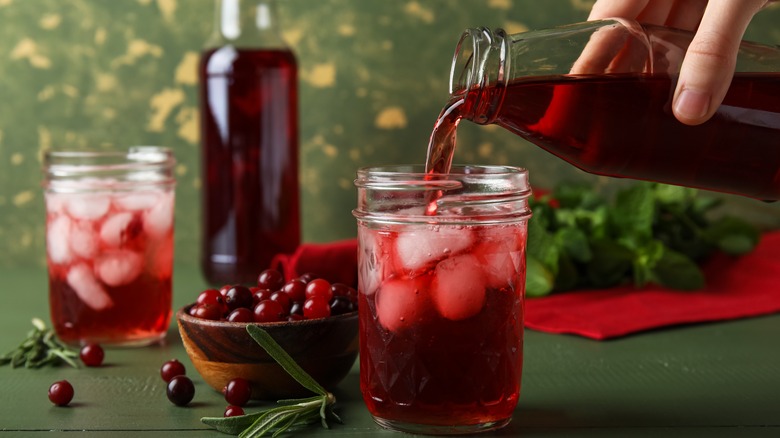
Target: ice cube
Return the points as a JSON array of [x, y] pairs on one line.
[[55, 203], [119, 229], [500, 253], [119, 267], [402, 303], [160, 256], [375, 262], [137, 201], [158, 219], [83, 239], [458, 288], [88, 206], [89, 291], [416, 249], [57, 236]]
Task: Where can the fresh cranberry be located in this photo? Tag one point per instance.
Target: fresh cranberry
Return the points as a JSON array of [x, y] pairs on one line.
[[283, 299], [238, 391], [211, 297], [269, 311], [171, 369], [180, 390], [207, 311], [233, 411], [316, 307], [92, 355], [307, 277], [241, 314], [295, 317], [259, 294], [223, 290], [61, 393], [296, 308], [342, 290], [296, 289], [319, 288], [270, 279], [340, 305], [238, 296]]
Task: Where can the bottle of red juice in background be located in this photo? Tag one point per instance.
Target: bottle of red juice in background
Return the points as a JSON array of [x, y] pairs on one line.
[[249, 123]]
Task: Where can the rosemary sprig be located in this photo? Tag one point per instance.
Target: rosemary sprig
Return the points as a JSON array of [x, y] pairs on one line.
[[288, 414], [40, 348]]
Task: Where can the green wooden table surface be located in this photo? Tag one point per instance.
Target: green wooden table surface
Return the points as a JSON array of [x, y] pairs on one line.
[[716, 380]]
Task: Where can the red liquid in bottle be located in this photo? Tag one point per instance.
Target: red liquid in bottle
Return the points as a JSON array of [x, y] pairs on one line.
[[623, 126], [250, 161]]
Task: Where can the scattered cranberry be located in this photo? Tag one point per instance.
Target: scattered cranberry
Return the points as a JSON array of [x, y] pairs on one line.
[[340, 305], [283, 299], [238, 296], [342, 290], [238, 392], [171, 369], [241, 315], [260, 295], [92, 355], [211, 297], [319, 288], [223, 290], [316, 307], [269, 311], [233, 411], [296, 308], [207, 311], [295, 317], [180, 390], [307, 277], [296, 289], [61, 393], [270, 279]]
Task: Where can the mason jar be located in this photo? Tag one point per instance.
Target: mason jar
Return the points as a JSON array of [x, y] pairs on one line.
[[441, 263], [109, 244]]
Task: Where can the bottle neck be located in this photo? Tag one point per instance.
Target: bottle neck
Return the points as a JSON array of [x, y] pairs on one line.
[[246, 23], [480, 72]]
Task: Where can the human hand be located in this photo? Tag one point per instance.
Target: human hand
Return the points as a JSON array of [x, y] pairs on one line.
[[709, 63]]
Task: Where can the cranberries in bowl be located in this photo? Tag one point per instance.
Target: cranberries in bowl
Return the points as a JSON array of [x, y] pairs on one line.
[[323, 340]]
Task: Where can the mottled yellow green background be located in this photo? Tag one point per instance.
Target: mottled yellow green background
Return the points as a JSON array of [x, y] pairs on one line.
[[114, 73]]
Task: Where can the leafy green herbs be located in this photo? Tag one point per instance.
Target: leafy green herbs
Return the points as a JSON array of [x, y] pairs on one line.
[[40, 348], [650, 233], [289, 413]]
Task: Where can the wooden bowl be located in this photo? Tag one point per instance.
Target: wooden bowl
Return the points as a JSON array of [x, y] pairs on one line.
[[220, 350]]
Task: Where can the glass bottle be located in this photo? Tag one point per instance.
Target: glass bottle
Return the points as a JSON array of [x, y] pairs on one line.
[[249, 123], [599, 94]]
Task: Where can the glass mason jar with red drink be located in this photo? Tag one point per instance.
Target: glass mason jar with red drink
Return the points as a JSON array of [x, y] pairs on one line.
[[441, 264], [109, 244]]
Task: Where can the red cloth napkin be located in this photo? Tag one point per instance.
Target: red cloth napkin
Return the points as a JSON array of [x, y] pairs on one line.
[[736, 288], [333, 261]]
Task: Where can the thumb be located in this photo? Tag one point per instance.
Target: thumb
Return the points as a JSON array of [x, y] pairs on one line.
[[708, 66]]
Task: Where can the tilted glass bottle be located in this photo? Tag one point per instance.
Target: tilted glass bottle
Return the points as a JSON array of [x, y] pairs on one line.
[[249, 123], [599, 94]]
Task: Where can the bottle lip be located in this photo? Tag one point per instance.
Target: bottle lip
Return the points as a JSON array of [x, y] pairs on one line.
[[469, 62]]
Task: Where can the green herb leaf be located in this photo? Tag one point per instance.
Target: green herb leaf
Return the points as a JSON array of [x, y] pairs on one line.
[[676, 271], [284, 360], [733, 236], [41, 347], [634, 210], [610, 263], [538, 279]]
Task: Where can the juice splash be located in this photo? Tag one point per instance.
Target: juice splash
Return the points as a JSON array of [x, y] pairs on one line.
[[250, 161], [110, 257]]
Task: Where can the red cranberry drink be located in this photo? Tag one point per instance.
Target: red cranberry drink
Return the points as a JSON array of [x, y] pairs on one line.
[[110, 247], [441, 306]]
